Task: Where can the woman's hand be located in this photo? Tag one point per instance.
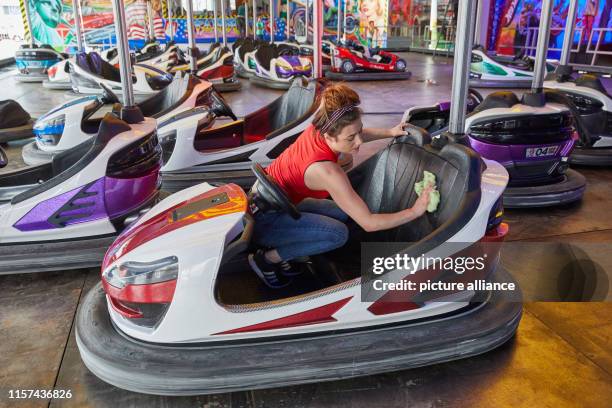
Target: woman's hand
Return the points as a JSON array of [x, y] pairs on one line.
[[398, 130], [420, 205]]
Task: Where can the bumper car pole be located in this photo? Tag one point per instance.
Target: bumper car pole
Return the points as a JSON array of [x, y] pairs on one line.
[[193, 50], [306, 17], [150, 22], [288, 14], [316, 40], [542, 48], [170, 20], [246, 19], [569, 33], [271, 22], [125, 66], [77, 25], [254, 19], [461, 69], [223, 33], [338, 18], [215, 16]]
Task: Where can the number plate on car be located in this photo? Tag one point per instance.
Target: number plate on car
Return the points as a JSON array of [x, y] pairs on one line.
[[541, 151]]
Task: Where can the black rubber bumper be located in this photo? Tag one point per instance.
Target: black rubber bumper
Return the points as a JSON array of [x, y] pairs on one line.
[[53, 256], [269, 83], [231, 86], [57, 85], [33, 156], [31, 77], [176, 370], [17, 133], [491, 83], [368, 76], [591, 156], [564, 192]]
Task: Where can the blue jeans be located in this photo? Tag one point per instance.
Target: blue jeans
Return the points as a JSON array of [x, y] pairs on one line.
[[320, 229]]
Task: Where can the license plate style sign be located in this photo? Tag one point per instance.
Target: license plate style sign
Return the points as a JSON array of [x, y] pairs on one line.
[[541, 151]]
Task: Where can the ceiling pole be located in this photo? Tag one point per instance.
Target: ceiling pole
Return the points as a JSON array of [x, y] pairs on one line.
[[193, 49], [461, 70], [76, 8], [125, 65], [539, 71], [223, 33], [568, 36]]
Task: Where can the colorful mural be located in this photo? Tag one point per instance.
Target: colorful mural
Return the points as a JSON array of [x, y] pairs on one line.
[[53, 23], [514, 23]]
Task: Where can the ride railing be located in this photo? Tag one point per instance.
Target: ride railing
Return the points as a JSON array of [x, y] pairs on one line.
[[424, 38], [532, 40], [602, 31]]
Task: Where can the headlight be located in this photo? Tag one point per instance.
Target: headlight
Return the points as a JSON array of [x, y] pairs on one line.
[[142, 273], [48, 132]]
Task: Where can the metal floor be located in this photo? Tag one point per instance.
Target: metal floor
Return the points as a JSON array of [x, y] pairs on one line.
[[561, 355]]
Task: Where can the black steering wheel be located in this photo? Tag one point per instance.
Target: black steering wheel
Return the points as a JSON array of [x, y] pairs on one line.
[[272, 194], [3, 158], [220, 107], [108, 96]]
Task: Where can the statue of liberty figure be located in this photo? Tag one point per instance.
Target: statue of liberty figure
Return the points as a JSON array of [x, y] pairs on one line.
[[45, 16]]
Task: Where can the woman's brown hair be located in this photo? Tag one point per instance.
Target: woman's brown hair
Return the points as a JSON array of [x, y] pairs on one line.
[[334, 98]]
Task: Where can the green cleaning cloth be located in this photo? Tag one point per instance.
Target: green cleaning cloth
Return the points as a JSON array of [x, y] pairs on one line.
[[429, 179]]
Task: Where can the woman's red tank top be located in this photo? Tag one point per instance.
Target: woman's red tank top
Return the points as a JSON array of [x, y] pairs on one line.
[[288, 169]]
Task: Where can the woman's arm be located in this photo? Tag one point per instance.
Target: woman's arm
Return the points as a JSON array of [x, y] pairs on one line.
[[369, 134], [330, 177]]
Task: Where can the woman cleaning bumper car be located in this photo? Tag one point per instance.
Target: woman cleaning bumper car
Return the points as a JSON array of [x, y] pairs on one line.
[[308, 172]]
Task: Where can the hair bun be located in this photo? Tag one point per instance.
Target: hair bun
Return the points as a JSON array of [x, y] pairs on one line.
[[338, 96]]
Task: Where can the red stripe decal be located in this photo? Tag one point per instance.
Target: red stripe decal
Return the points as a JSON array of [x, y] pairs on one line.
[[322, 314]]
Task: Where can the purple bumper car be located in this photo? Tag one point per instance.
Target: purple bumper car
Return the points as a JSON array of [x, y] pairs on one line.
[[532, 143], [65, 213]]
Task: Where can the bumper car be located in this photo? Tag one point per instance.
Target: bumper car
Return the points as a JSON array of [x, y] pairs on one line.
[[307, 50], [15, 122], [63, 214], [58, 76], [352, 62], [277, 65], [201, 153], [33, 62], [89, 70], [71, 124], [191, 317], [243, 49], [593, 103], [215, 66], [487, 72], [532, 143], [150, 54]]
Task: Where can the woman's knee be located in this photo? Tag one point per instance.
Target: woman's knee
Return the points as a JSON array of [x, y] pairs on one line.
[[336, 236]]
